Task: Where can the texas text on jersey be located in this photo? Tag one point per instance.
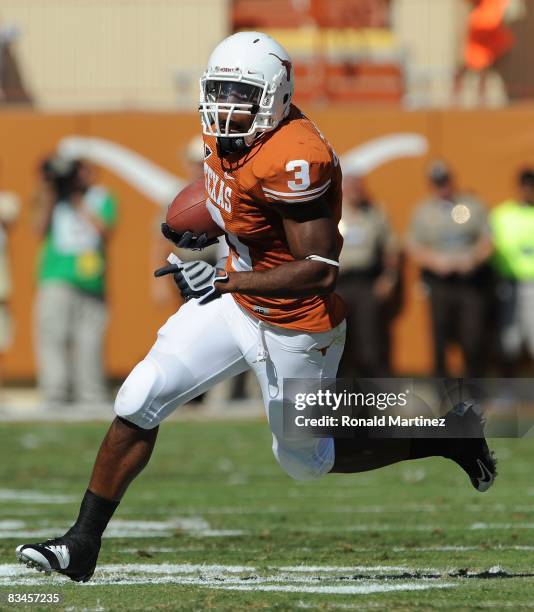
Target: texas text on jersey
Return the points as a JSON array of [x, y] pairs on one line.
[[293, 164]]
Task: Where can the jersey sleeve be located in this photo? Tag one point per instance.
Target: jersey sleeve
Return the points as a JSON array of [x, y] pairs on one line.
[[297, 177]]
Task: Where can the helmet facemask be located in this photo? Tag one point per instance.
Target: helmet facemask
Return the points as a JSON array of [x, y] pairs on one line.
[[225, 102], [246, 90]]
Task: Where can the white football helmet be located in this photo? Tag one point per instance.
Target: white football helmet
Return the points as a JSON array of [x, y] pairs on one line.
[[248, 74]]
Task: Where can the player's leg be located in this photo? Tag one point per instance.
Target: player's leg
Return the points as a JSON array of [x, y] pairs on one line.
[[123, 453], [289, 354], [126, 446], [470, 451], [299, 355], [292, 354], [195, 350], [296, 354]]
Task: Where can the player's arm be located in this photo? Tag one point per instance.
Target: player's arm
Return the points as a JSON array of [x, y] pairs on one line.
[[310, 231], [311, 236]]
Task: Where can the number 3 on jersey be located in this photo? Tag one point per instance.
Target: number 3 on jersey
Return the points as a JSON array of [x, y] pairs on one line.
[[301, 168]]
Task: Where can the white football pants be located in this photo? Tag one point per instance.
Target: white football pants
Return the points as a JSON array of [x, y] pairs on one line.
[[201, 345]]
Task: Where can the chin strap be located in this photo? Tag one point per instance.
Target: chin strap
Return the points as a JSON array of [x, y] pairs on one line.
[[237, 145], [330, 262], [231, 145]]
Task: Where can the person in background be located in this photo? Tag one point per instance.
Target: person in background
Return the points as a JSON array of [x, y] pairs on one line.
[[9, 210], [487, 39], [512, 224], [12, 87], [74, 217], [368, 276], [449, 239]]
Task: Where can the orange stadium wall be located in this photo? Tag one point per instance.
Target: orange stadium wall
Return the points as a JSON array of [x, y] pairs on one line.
[[485, 147]]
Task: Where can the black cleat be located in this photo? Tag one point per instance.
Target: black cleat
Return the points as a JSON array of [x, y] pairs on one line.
[[471, 453], [73, 555]]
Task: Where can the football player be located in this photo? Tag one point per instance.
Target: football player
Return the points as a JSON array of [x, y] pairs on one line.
[[273, 184]]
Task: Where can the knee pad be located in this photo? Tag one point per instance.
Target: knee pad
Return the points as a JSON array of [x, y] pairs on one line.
[[134, 399]]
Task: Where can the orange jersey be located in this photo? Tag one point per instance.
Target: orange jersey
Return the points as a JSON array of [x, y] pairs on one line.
[[488, 37], [292, 164]]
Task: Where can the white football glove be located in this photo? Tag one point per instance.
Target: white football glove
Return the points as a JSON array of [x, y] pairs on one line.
[[196, 279]]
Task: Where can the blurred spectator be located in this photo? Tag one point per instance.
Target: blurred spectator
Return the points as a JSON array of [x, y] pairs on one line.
[[356, 14], [74, 217], [369, 272], [9, 210], [512, 223], [12, 88], [449, 238], [487, 40]]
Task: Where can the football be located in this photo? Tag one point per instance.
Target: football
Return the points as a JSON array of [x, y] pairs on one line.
[[188, 212]]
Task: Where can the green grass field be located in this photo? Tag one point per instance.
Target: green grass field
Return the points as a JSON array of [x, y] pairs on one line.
[[213, 523]]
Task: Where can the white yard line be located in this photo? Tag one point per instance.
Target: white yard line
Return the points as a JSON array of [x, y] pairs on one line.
[[15, 569], [435, 548], [36, 534], [348, 509], [377, 527], [119, 528], [190, 523], [31, 535], [341, 590], [454, 548], [196, 526], [294, 579], [11, 524], [502, 526], [174, 568], [364, 549], [256, 585], [35, 497], [346, 568]]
